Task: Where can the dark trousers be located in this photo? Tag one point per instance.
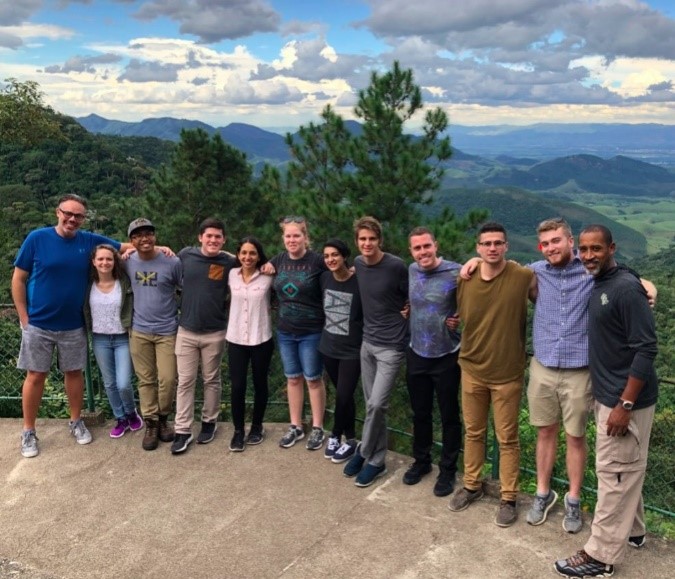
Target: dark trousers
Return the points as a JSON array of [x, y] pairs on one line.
[[238, 358], [442, 376], [345, 376]]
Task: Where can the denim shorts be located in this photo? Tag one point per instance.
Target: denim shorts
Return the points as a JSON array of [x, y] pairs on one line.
[[38, 345], [300, 355]]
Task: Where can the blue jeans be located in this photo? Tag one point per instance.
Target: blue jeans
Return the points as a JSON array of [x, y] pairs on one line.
[[114, 362], [300, 355]]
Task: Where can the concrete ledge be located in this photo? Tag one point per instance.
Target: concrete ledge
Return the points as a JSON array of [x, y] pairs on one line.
[[111, 508]]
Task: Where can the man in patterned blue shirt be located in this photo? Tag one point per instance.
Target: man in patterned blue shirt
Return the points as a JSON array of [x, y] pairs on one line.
[[431, 358], [559, 388]]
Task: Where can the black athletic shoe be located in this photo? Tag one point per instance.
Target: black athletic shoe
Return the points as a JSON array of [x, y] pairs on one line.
[[237, 443], [180, 442], [583, 565], [208, 432], [415, 472]]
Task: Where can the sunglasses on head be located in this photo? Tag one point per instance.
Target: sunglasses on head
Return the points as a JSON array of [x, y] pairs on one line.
[[293, 219]]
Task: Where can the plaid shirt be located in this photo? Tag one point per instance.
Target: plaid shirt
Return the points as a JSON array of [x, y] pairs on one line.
[[560, 327]]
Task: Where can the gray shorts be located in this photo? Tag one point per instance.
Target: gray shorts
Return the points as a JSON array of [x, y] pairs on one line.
[[37, 349]]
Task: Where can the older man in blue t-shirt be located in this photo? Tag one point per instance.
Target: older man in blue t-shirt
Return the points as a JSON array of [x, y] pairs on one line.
[[48, 288]]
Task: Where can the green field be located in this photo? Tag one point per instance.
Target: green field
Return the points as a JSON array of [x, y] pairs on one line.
[[654, 218]]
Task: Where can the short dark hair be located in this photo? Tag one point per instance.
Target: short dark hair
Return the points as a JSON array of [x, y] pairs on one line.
[[258, 246], [213, 223], [598, 228], [340, 245], [491, 227], [72, 197], [421, 230]]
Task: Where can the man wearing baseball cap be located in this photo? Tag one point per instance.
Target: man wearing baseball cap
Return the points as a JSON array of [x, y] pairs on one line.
[[155, 280]]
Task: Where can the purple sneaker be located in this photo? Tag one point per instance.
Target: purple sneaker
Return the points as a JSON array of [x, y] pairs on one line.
[[120, 428], [135, 421]]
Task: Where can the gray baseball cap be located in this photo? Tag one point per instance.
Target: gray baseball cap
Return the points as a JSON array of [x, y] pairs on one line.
[[140, 223]]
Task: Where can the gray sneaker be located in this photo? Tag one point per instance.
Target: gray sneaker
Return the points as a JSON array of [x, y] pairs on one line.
[[540, 508], [506, 515], [463, 498], [316, 438], [80, 431], [292, 436], [29, 447], [572, 522]]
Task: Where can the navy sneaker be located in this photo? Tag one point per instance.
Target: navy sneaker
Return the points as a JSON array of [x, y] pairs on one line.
[[369, 474], [345, 452], [355, 464]]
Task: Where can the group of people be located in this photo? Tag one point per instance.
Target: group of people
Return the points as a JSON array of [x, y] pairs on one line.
[[593, 336]]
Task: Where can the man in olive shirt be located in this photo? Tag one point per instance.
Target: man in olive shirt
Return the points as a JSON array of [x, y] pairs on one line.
[[493, 307]]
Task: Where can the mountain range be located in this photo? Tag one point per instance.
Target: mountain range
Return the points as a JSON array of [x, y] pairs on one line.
[[647, 142]]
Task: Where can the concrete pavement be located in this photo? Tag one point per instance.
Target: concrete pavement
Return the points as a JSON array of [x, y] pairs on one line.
[[110, 508]]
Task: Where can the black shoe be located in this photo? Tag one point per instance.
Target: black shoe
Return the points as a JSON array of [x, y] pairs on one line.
[[415, 472], [180, 442], [237, 443], [256, 435], [445, 484], [208, 432], [583, 565], [637, 541]]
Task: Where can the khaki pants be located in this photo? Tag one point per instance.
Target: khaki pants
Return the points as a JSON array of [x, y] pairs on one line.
[[191, 348], [505, 398], [620, 463], [155, 366]]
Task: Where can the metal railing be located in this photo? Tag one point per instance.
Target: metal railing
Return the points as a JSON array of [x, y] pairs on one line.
[[659, 488]]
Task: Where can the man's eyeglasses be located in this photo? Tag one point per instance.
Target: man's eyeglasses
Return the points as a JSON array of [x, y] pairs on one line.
[[293, 219], [70, 215], [498, 243]]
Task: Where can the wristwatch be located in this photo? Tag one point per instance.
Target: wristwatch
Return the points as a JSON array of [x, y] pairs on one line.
[[627, 404]]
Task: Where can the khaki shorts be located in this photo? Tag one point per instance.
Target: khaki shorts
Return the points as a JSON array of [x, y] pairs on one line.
[[559, 393]]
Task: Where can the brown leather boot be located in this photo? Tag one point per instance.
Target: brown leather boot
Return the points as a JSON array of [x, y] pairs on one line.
[[150, 440], [166, 432]]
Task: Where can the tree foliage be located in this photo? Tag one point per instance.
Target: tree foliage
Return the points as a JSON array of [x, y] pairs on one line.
[[340, 171], [204, 178], [24, 119]]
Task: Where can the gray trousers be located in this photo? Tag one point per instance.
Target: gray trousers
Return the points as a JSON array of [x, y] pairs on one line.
[[379, 366]]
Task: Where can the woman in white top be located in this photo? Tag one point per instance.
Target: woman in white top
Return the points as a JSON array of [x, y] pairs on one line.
[[249, 339], [107, 311]]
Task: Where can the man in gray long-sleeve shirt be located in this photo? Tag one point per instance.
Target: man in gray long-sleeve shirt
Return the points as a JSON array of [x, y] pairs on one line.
[[383, 287], [622, 348]]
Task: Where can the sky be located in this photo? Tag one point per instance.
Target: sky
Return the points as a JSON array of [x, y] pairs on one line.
[[277, 63]]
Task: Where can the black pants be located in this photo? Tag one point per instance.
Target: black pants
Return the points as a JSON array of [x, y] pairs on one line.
[[442, 376], [238, 358], [345, 376]]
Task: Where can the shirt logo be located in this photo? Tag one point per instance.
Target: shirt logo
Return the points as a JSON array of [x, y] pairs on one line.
[[216, 272], [604, 300], [146, 278], [290, 290]]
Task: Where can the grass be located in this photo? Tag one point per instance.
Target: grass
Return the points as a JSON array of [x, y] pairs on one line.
[[654, 218]]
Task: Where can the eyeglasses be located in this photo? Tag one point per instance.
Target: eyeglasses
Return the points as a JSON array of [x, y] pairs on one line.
[[293, 219], [498, 243], [70, 215], [142, 234]]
